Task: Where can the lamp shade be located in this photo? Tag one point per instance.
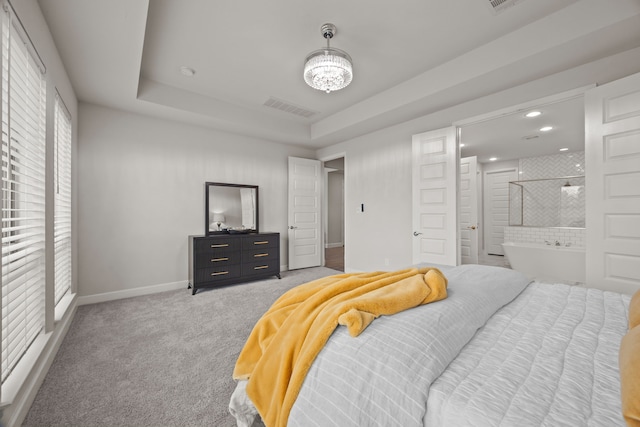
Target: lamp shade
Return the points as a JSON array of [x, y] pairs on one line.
[[218, 217]]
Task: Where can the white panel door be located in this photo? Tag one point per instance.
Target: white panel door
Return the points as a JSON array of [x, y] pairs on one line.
[[435, 174], [612, 155], [304, 230], [496, 208], [468, 219]]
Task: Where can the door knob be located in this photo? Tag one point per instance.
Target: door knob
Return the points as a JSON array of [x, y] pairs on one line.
[[472, 227], [415, 233], [291, 227]]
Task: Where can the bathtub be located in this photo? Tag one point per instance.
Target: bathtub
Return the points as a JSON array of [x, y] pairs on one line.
[[547, 263]]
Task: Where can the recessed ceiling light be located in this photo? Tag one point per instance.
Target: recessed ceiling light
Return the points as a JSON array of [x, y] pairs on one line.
[[546, 128], [493, 159], [564, 149], [533, 114], [186, 71], [461, 145]]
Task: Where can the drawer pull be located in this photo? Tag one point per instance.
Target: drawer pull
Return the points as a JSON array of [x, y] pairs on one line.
[[220, 273], [219, 259], [223, 245], [260, 255], [264, 242], [261, 267]]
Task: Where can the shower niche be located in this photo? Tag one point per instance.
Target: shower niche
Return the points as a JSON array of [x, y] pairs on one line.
[[548, 202]]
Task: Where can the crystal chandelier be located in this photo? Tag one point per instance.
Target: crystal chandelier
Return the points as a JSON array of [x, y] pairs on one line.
[[328, 68]]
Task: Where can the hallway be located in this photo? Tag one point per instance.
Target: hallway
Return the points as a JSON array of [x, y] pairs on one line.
[[334, 258]]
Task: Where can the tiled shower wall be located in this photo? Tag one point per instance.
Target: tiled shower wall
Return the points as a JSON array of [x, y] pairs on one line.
[[547, 203], [572, 236], [546, 206], [552, 166]]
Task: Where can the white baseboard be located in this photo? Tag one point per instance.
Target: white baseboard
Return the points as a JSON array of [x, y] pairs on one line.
[[135, 292], [333, 245]]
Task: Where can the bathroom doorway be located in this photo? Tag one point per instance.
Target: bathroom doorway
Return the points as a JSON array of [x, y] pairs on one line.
[[511, 145]]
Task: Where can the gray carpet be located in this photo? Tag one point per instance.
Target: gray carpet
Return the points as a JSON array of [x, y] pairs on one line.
[[159, 360]]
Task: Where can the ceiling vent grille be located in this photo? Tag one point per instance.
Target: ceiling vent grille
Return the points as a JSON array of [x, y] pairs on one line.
[[498, 6], [287, 107]]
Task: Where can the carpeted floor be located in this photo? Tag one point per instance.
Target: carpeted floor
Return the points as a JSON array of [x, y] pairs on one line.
[[159, 360]]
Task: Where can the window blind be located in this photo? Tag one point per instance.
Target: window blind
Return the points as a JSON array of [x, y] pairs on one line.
[[23, 110], [62, 214]]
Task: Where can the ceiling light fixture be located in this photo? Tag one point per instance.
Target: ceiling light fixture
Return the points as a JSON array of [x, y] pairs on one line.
[[493, 159], [564, 149], [546, 128], [328, 69], [533, 114]]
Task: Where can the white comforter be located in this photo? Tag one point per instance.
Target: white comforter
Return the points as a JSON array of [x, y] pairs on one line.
[[550, 358], [547, 358], [382, 377]]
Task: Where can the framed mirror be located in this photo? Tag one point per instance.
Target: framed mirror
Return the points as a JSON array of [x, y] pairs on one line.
[[231, 208]]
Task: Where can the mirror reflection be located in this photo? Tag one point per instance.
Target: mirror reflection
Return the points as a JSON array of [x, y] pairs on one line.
[[231, 208]]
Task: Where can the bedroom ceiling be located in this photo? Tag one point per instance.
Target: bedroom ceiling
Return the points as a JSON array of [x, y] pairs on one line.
[[408, 61]]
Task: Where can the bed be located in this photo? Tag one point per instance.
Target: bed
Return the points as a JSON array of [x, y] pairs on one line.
[[498, 350]]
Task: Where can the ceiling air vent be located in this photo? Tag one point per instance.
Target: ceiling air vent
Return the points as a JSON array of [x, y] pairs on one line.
[[498, 6], [287, 107]]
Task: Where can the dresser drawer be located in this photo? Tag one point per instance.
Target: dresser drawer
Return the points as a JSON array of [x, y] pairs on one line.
[[260, 241], [257, 255], [221, 273], [217, 245], [263, 267], [217, 258]]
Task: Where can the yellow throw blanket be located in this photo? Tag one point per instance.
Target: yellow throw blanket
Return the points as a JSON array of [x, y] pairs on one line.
[[288, 337]]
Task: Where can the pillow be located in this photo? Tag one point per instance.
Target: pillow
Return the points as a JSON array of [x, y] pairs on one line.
[[634, 311], [629, 359]]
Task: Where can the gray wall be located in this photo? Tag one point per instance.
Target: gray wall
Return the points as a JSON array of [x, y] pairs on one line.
[[141, 185], [335, 211]]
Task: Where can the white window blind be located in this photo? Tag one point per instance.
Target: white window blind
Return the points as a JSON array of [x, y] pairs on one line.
[[62, 215], [23, 194]]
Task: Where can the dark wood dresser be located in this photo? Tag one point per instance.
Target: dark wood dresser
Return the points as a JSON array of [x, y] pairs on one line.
[[225, 259]]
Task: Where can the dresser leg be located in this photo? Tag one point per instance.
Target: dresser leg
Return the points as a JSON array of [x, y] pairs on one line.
[[278, 276], [193, 291]]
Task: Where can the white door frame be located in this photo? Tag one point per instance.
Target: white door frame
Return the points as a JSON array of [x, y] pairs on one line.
[[325, 203]]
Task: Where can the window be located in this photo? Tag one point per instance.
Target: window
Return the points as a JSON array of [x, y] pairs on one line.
[[62, 184], [23, 111]]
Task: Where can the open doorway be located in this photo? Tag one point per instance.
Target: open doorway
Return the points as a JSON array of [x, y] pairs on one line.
[[334, 234], [539, 140]]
